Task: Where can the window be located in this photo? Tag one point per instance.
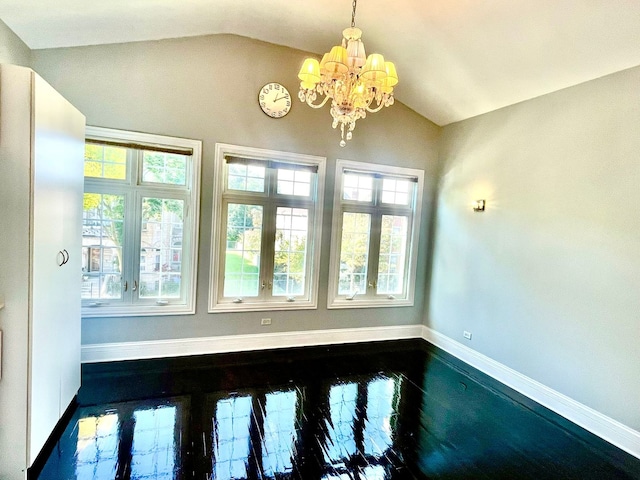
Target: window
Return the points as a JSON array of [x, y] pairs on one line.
[[375, 238], [266, 230], [140, 223]]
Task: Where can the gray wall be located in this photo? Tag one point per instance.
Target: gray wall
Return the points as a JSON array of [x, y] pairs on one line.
[[548, 278], [12, 49], [206, 88]]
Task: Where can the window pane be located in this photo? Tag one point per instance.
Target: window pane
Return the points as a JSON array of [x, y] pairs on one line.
[[396, 191], [248, 178], [278, 444], [242, 257], [292, 230], [153, 454], [354, 253], [393, 252], [97, 447], [104, 161], [162, 167], [102, 236], [357, 187], [294, 182], [161, 248], [231, 438]]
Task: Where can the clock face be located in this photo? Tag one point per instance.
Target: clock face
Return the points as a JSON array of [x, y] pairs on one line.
[[274, 100]]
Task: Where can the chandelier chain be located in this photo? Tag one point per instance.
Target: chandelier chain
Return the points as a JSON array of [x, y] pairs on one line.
[[353, 14]]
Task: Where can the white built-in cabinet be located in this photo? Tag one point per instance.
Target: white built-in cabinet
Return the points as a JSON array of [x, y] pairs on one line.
[[41, 192]]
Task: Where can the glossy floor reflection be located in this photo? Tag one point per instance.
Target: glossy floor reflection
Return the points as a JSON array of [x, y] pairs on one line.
[[394, 410]]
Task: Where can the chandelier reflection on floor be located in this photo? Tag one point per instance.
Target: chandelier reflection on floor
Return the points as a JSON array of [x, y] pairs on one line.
[[355, 83]]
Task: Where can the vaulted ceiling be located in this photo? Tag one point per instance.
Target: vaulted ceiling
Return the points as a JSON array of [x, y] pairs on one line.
[[455, 58]]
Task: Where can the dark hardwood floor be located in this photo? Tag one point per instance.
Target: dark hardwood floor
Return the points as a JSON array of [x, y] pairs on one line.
[[390, 410]]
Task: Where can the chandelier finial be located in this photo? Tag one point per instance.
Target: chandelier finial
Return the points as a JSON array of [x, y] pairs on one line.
[[355, 83]]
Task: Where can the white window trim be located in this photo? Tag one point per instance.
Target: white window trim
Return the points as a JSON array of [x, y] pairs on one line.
[[335, 301], [215, 305], [193, 212]]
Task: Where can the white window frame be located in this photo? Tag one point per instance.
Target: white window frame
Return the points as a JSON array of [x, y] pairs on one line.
[[336, 301], [217, 302], [187, 303]]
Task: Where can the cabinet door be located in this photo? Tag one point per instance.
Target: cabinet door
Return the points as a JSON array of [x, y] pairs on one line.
[[54, 348]]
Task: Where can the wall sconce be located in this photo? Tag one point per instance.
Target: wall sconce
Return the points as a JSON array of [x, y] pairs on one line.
[[478, 206]]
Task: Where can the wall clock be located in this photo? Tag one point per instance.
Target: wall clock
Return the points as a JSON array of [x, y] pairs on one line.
[[274, 100]]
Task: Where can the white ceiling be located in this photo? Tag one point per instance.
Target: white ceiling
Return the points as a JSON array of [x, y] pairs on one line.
[[455, 58]]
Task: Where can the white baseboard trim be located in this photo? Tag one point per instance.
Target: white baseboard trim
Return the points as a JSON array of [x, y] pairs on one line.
[[595, 422], [111, 352]]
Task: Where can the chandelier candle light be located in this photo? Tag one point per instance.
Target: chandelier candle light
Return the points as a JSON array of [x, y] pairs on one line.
[[353, 81]]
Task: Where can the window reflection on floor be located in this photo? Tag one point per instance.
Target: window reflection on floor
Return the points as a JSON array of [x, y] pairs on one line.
[[136, 440], [380, 417], [231, 438], [97, 446], [153, 453], [360, 428], [341, 443], [278, 443], [345, 429], [254, 436]]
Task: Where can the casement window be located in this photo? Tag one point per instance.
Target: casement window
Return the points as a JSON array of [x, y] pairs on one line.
[[376, 220], [267, 219], [140, 223]]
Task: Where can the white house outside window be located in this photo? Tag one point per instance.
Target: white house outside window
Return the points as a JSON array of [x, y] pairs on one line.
[[266, 229], [140, 221], [376, 220]]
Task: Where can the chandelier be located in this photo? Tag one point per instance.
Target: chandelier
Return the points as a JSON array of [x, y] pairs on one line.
[[355, 83]]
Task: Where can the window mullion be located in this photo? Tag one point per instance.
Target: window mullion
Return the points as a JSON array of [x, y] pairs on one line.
[[374, 253], [133, 245], [269, 235], [268, 249]]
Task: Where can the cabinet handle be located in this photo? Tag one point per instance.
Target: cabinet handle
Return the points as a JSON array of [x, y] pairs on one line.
[[126, 286], [65, 257], [135, 286]]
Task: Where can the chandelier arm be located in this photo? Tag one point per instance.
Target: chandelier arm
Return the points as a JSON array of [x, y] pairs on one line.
[[320, 105], [376, 109]]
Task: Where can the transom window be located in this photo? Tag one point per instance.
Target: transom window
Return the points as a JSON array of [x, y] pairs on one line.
[[374, 242], [266, 230], [140, 218]]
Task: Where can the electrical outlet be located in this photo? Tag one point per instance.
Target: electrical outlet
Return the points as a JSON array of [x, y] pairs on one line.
[[265, 321], [467, 335]]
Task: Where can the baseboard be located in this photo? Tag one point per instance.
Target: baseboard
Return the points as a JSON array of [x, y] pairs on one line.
[[595, 422], [111, 352]]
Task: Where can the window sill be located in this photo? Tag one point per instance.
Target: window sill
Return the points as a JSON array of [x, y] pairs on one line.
[[261, 307], [339, 303], [139, 311]]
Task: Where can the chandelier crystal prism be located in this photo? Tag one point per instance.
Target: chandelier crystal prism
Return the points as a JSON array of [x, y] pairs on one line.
[[355, 83]]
